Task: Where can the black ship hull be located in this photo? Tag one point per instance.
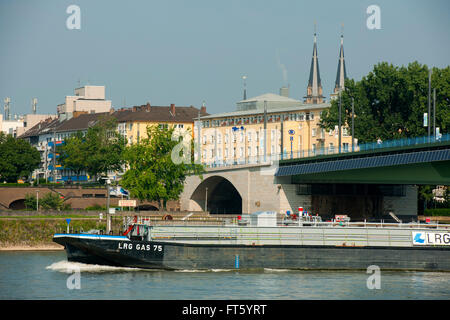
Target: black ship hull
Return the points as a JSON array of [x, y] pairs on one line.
[[120, 251]]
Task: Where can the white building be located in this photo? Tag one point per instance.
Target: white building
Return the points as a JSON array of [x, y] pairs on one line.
[[12, 127], [90, 99]]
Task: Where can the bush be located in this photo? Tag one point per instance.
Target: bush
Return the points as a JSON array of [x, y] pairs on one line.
[[437, 212], [30, 201], [53, 201], [96, 207]]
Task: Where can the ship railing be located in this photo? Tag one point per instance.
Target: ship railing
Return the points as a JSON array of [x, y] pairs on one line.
[[363, 224]]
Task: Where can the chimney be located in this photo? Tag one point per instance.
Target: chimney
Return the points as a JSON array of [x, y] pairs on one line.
[[147, 107], [203, 108], [172, 109], [284, 91], [134, 109]]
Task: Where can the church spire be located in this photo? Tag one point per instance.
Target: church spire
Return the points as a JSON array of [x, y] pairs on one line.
[[341, 74], [314, 89]]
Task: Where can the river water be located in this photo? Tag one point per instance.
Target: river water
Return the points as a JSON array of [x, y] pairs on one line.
[[48, 275]]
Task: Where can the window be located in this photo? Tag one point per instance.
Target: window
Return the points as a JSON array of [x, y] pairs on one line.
[[331, 147], [219, 138], [241, 152], [345, 132], [226, 137], [345, 145], [313, 132], [249, 151]]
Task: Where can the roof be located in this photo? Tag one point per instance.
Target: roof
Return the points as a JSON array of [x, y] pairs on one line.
[[159, 114], [41, 127], [81, 122], [138, 113], [270, 97], [303, 107]]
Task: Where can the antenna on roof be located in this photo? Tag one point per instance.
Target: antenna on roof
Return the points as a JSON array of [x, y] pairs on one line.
[[34, 105], [244, 77], [6, 108]]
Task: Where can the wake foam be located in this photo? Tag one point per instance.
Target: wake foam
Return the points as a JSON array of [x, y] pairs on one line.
[[69, 267]]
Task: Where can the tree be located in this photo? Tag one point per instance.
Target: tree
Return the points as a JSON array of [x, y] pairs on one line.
[[98, 151], [17, 158], [73, 154], [390, 101], [155, 172], [53, 201], [104, 148]]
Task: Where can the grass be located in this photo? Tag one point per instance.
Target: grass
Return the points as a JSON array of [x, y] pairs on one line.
[[40, 231]]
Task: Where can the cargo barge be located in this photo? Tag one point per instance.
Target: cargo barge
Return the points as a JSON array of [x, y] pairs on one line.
[[263, 240]]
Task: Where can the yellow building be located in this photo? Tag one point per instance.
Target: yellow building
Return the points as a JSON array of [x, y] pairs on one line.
[[275, 127], [289, 128], [133, 122]]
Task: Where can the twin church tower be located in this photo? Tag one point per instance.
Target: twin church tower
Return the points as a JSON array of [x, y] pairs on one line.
[[314, 93]]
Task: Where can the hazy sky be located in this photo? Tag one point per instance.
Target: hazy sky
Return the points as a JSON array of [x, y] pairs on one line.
[[184, 52]]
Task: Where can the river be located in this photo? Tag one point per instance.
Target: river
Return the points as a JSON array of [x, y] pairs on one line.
[[48, 275]]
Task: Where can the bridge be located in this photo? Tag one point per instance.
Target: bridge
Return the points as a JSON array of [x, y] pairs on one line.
[[368, 182], [77, 196]]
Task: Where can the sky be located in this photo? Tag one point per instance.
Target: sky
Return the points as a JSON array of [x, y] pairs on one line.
[[186, 52]]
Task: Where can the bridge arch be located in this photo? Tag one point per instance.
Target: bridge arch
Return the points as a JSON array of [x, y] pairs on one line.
[[219, 195], [18, 204]]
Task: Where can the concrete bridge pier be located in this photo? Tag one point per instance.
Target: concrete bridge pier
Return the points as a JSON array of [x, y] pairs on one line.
[[241, 190], [249, 188]]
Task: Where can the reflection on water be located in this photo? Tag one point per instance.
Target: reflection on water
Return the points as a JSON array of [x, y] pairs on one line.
[[44, 275]]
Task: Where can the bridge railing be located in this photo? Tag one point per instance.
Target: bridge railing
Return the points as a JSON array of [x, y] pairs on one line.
[[345, 148]]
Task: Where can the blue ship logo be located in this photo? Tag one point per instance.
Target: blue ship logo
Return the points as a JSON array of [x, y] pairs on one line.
[[419, 238]]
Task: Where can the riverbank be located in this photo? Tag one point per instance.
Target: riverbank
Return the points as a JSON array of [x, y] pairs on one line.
[[47, 247]]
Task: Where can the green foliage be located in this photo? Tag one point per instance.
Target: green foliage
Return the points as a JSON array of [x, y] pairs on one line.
[[97, 152], [73, 153], [153, 172], [442, 212], [50, 201], [17, 158], [390, 101], [30, 201]]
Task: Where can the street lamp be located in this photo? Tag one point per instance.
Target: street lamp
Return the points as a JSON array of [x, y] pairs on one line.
[[353, 124], [108, 217]]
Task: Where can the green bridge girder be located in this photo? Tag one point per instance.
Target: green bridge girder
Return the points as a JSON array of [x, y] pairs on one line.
[[434, 173]]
